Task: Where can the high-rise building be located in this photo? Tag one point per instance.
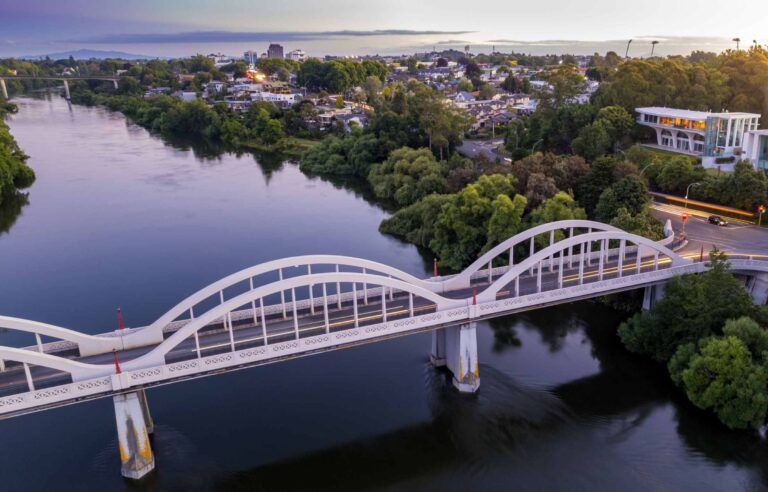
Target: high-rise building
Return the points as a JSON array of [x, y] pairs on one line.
[[250, 56], [275, 51]]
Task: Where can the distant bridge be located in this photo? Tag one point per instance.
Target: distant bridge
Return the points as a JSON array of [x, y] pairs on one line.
[[64, 78], [305, 305]]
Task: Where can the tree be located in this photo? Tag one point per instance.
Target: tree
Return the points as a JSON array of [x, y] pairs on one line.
[[14, 172], [465, 85], [630, 194], [601, 175], [694, 307], [512, 84], [339, 102], [642, 224], [463, 222], [565, 83], [676, 174], [407, 176], [417, 223], [562, 206], [487, 92], [506, 219], [748, 331], [273, 132], [723, 378]]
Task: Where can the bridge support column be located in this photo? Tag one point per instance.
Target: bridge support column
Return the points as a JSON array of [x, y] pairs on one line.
[[66, 90], [4, 89], [437, 354], [653, 294], [133, 428], [461, 356], [759, 289]]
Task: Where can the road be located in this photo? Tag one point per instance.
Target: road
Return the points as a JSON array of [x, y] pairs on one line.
[[475, 148], [736, 237]]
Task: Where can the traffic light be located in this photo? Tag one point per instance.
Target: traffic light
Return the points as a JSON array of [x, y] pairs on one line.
[[761, 208]]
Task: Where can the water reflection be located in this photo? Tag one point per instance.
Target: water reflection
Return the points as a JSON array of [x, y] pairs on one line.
[[466, 433], [10, 210]]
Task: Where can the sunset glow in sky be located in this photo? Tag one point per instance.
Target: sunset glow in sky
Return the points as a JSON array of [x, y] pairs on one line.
[[39, 26]]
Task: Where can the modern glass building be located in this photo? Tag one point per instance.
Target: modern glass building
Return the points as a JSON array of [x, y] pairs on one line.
[[756, 148], [714, 137]]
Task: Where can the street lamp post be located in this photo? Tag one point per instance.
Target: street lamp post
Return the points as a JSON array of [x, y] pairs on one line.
[[760, 209], [687, 190], [533, 148], [646, 167]]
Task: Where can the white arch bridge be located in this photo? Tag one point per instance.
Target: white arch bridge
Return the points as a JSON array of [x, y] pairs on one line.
[[305, 305]]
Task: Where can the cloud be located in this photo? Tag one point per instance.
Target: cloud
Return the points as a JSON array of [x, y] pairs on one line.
[[235, 36]]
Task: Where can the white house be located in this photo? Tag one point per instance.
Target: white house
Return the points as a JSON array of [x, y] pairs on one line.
[[718, 138], [280, 100], [756, 148], [296, 55]]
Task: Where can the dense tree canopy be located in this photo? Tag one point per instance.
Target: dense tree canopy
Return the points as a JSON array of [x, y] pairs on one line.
[[694, 307], [14, 172]]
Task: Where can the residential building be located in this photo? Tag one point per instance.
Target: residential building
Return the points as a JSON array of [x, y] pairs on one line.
[[220, 59], [282, 101], [296, 55], [275, 51], [718, 138]]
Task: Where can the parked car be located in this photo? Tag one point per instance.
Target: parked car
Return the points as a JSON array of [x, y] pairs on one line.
[[717, 220]]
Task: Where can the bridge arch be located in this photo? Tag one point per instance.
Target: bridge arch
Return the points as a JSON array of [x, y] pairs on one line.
[[157, 355], [154, 332], [463, 279], [86, 344], [489, 294], [79, 371]]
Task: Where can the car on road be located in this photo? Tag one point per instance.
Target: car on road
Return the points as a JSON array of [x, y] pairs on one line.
[[717, 220]]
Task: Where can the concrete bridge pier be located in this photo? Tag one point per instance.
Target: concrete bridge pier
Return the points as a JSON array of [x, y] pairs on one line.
[[134, 425], [653, 294], [4, 89], [437, 354], [757, 286], [456, 348], [66, 90]]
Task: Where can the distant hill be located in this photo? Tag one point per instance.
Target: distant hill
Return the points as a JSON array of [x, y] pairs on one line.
[[89, 54]]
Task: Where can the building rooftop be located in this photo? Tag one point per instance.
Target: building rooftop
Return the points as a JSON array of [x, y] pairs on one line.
[[692, 115]]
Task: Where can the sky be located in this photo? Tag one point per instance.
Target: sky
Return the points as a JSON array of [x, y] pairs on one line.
[[181, 27]]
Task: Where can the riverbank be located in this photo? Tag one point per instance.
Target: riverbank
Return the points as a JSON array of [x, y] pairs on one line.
[[261, 129]]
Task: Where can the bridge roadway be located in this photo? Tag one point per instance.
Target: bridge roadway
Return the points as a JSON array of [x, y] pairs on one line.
[[216, 339]]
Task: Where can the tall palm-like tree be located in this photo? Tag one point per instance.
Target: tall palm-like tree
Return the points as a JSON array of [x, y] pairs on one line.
[[737, 41], [653, 46]]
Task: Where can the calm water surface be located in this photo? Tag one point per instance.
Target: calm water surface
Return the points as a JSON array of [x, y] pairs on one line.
[[118, 218]]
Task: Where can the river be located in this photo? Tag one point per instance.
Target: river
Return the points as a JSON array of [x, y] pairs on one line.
[[117, 217]]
